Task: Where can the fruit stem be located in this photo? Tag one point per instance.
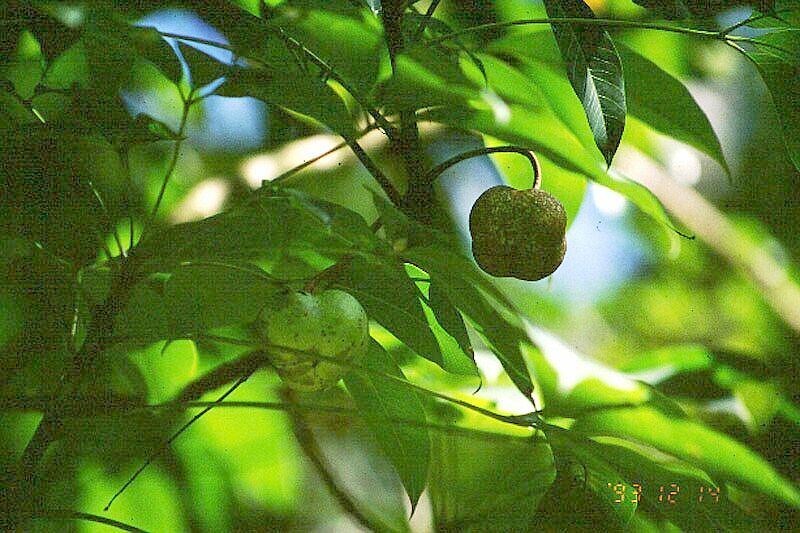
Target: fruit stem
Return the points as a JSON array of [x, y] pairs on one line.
[[434, 173]]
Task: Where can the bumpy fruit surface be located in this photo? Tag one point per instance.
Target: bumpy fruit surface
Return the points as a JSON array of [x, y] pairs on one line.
[[518, 233], [331, 323]]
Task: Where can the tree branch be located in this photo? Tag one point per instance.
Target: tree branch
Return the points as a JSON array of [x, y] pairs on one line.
[[376, 172], [176, 152], [68, 514], [605, 23], [165, 446], [305, 438], [418, 200], [221, 375]]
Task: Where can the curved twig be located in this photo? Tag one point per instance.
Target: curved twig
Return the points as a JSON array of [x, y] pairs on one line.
[[537, 169], [69, 514]]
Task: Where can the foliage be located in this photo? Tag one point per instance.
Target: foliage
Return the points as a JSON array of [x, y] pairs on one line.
[[120, 319]]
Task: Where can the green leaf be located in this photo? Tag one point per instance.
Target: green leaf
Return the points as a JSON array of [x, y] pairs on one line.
[[501, 332], [662, 102], [541, 132], [555, 89], [204, 296], [417, 85], [571, 382], [13, 113], [640, 196], [293, 89], [193, 299], [95, 284], [145, 317], [663, 363], [25, 70], [778, 62], [337, 33], [785, 12], [111, 43], [379, 400], [47, 175], [275, 223], [595, 71], [714, 452], [149, 45], [391, 299], [510, 84], [342, 221], [412, 21], [451, 332], [642, 476], [488, 482], [447, 326], [789, 411], [251, 6], [579, 463], [762, 401]]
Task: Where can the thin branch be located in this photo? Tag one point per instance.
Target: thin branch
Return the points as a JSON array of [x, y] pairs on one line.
[[605, 23], [165, 446], [294, 170], [102, 242], [214, 380], [524, 420], [537, 170], [424, 24], [376, 172], [750, 20], [305, 164], [176, 151], [384, 124], [418, 199], [305, 438], [107, 216], [69, 514]]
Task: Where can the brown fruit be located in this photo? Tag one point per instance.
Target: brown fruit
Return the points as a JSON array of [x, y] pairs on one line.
[[518, 233]]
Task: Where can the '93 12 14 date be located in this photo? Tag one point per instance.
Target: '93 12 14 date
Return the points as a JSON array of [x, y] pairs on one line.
[[667, 494]]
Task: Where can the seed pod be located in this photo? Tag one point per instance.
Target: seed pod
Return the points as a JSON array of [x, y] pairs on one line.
[[518, 233], [331, 324]]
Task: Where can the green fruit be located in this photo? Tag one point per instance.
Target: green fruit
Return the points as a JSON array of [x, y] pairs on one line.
[[331, 324], [518, 233]]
